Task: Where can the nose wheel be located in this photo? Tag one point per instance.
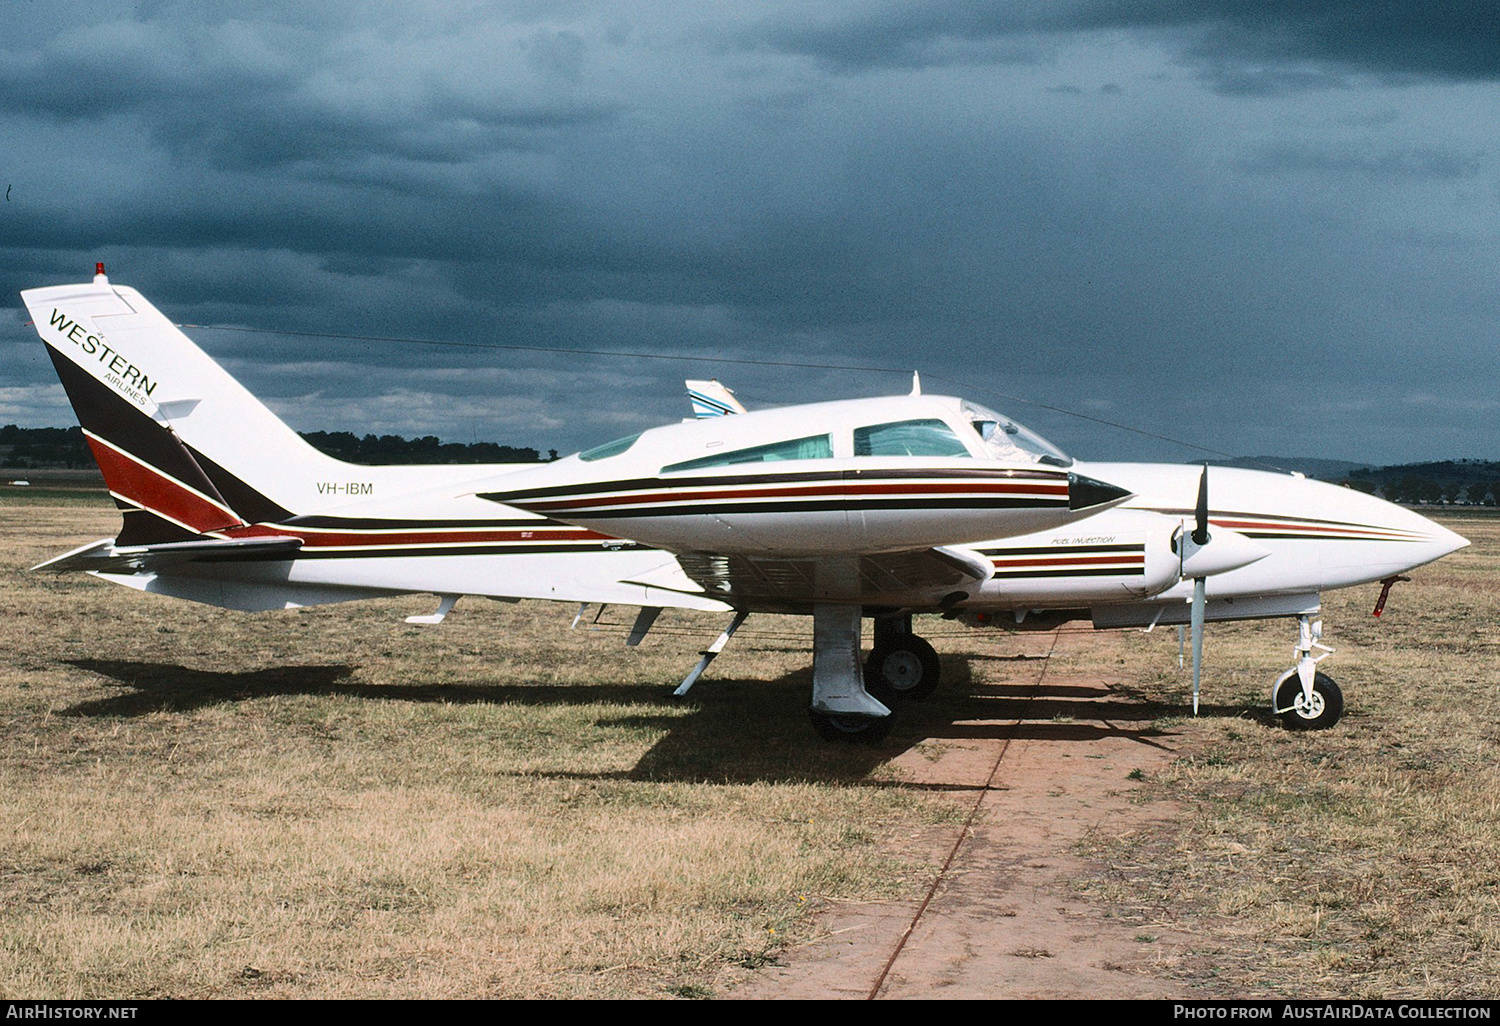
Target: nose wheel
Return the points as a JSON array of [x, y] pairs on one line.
[[1319, 711]]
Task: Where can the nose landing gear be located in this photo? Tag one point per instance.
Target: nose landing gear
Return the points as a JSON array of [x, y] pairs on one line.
[[1302, 697]]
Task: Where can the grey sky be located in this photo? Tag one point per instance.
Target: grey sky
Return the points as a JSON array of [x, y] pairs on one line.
[[1266, 226]]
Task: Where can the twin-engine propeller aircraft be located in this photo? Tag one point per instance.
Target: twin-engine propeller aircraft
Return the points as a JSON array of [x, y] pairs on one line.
[[876, 508]]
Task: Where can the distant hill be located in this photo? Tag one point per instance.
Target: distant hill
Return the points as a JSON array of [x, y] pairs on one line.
[[36, 448], [375, 450], [64, 448]]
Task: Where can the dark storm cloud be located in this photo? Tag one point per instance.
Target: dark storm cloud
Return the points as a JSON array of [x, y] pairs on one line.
[[1244, 45], [255, 96], [1451, 41], [1020, 197]]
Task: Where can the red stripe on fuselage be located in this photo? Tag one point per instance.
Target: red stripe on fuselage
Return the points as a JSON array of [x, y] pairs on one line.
[[1266, 525], [782, 492], [1070, 560]]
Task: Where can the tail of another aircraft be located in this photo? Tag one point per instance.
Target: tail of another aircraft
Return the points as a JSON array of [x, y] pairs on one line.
[[711, 399], [184, 448]]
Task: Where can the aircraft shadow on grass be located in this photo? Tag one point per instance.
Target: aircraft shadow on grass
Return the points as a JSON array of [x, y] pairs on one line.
[[167, 687], [735, 730]]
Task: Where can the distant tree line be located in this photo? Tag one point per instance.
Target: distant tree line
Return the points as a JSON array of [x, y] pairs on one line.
[[375, 450], [34, 448], [1447, 482], [64, 448]]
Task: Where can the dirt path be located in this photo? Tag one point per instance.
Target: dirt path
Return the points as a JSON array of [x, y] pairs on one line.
[[1005, 920]]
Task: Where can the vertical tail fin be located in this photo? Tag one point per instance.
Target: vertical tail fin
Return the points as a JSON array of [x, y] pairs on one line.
[[711, 399], [164, 420]]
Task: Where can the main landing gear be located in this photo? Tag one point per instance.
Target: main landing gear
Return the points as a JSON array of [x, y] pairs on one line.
[[901, 667], [851, 703], [1302, 697]]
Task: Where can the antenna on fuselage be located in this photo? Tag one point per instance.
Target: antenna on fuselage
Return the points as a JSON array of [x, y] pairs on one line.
[[916, 383]]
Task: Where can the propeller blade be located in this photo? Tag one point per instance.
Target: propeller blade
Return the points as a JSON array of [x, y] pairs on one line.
[[1200, 597], [1200, 528]]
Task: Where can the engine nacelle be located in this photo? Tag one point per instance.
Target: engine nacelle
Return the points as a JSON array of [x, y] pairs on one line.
[[1122, 556]]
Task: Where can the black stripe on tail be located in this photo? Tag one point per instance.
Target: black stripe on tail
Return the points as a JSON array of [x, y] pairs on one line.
[[152, 473]]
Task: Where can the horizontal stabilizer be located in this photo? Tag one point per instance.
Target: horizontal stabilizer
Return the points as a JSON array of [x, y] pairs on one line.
[[107, 557]]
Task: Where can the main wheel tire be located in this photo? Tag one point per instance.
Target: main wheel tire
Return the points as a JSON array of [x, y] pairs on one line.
[[1324, 711], [904, 670], [862, 730]]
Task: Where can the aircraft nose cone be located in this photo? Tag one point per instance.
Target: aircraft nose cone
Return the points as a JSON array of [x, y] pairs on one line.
[[1430, 541], [1446, 540], [1087, 492], [1439, 542]]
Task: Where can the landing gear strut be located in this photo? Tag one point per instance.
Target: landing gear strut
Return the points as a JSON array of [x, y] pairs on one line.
[[1302, 697], [842, 708], [850, 705]]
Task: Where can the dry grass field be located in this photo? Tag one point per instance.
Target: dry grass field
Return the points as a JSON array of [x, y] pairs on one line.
[[332, 803], [1360, 862]]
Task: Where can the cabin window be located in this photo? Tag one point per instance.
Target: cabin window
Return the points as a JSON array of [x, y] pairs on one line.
[[816, 447], [608, 449], [908, 438]]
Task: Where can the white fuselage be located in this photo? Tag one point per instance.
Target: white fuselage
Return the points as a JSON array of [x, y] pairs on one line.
[[1317, 537]]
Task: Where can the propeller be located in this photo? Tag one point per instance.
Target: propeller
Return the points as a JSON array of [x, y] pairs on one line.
[[1200, 512], [1203, 554], [1200, 538]]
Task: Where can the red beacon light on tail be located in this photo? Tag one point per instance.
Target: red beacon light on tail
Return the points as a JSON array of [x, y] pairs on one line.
[[99, 278]]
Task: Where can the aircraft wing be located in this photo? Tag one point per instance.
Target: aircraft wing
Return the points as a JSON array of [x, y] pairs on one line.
[[106, 557], [921, 577]]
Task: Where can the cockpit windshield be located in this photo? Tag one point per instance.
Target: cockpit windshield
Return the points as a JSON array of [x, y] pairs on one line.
[[1007, 440]]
